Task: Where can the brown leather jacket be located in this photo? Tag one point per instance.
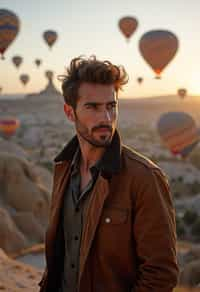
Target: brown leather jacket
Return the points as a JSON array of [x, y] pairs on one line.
[[129, 235]]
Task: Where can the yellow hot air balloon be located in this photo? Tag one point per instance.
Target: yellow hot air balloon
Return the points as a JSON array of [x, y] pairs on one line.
[[24, 78], [127, 26], [158, 48], [182, 92], [9, 28], [17, 61], [50, 36], [9, 126]]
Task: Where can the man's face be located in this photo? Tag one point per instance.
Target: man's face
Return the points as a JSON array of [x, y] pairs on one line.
[[95, 116]]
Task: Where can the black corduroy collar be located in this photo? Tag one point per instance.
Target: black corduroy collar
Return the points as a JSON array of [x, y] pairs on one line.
[[110, 162]]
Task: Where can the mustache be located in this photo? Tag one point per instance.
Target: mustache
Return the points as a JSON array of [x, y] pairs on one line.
[[102, 127]]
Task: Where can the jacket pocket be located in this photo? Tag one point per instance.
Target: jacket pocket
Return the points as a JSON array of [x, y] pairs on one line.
[[114, 216]]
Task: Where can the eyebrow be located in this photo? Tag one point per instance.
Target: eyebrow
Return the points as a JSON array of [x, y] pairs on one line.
[[100, 103]]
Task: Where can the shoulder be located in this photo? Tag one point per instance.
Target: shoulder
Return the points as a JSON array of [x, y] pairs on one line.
[[139, 165], [134, 158]]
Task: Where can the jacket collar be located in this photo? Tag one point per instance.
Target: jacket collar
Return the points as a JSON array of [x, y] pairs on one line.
[[111, 160]]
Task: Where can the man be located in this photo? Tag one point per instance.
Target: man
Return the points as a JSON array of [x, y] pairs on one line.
[[112, 225]]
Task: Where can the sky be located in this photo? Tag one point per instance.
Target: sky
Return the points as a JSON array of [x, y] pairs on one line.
[[87, 27]]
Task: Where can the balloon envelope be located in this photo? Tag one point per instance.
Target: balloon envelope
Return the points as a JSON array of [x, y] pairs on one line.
[[17, 61], [128, 25], [158, 48], [9, 126], [139, 80], [178, 132], [50, 36], [182, 92], [9, 28], [24, 78], [38, 62]]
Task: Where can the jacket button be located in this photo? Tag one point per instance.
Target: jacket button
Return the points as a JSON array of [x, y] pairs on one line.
[[107, 220]]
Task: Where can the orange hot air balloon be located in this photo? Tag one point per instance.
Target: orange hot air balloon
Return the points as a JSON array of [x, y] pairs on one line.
[[38, 62], [182, 92], [17, 61], [140, 80], [178, 132], [128, 26], [158, 48], [9, 28], [24, 78], [50, 36], [9, 126]]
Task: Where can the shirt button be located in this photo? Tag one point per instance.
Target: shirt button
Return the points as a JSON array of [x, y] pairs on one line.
[[73, 266], [77, 209], [107, 220], [76, 237]]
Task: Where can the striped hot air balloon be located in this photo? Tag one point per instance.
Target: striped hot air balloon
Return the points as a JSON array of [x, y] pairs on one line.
[[158, 48], [178, 132], [9, 28], [50, 37], [9, 126]]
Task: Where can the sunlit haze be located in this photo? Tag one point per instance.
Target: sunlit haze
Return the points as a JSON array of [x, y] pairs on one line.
[[91, 27]]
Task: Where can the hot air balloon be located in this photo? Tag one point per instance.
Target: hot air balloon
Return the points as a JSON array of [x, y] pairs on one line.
[[128, 25], [9, 28], [182, 92], [49, 74], [50, 37], [24, 78], [178, 132], [38, 62], [139, 80], [17, 61], [9, 126], [158, 48]]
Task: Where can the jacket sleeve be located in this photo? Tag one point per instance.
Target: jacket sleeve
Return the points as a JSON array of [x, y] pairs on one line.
[[155, 234]]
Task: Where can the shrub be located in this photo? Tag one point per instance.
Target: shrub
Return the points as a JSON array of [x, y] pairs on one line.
[[196, 229], [190, 216]]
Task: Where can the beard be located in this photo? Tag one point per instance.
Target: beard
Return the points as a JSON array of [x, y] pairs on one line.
[[101, 141]]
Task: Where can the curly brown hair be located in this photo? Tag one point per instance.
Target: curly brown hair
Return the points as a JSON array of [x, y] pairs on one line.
[[90, 70]]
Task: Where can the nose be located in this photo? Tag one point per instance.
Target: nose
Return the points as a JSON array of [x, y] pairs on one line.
[[106, 116]]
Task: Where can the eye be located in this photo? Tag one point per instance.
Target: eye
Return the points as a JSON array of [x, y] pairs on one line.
[[91, 106]]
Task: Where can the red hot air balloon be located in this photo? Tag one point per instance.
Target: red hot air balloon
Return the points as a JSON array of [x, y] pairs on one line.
[[24, 78], [9, 126], [182, 92], [17, 61], [9, 28], [178, 132], [50, 37], [158, 48], [38, 62], [127, 26]]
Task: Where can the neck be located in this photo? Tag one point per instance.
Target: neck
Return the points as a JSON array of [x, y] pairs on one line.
[[89, 154]]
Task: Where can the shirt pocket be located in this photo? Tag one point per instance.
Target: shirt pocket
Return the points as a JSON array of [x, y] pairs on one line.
[[114, 216]]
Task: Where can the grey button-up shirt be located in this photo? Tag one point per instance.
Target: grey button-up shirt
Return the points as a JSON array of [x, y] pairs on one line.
[[75, 203]]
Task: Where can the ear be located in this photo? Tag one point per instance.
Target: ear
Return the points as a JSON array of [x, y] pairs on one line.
[[69, 111]]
